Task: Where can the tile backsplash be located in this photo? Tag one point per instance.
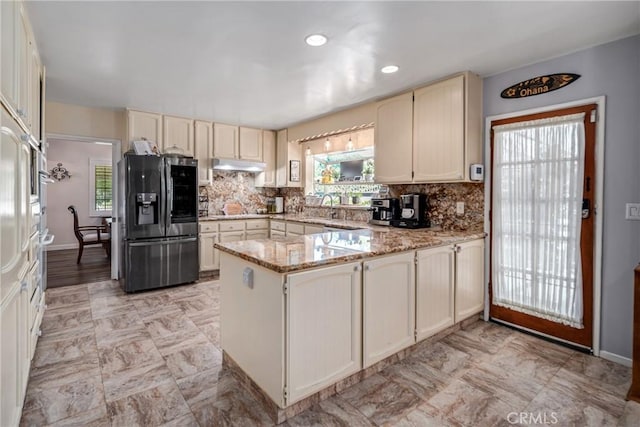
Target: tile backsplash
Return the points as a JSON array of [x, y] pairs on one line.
[[240, 187]]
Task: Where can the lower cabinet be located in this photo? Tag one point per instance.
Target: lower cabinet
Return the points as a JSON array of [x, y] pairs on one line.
[[14, 353], [256, 234], [388, 306], [435, 270], [209, 256], [313, 229], [323, 312], [469, 279], [231, 236]]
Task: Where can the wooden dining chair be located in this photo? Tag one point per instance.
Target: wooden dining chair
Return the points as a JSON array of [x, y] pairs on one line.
[[88, 235]]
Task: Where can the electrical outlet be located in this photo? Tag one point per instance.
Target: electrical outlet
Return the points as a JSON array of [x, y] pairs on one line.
[[632, 211], [460, 208]]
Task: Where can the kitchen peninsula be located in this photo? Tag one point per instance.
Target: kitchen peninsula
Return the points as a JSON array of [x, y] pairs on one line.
[[304, 316]]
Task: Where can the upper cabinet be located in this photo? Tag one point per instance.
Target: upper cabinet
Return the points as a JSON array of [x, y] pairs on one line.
[[178, 133], [225, 141], [287, 152], [203, 150], [432, 134], [268, 177], [142, 125], [250, 144], [393, 139], [21, 68]]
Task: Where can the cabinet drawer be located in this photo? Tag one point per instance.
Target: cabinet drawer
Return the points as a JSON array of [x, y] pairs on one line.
[[294, 228], [278, 225], [34, 244], [257, 224], [231, 225], [313, 229], [208, 227], [35, 307], [277, 233]]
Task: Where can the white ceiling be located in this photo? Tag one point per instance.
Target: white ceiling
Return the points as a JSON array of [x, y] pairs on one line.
[[247, 63]]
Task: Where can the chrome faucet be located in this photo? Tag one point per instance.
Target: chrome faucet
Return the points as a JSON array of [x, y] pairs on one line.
[[332, 213]]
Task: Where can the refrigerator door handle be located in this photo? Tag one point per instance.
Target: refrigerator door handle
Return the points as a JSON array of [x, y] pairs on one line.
[[181, 240]]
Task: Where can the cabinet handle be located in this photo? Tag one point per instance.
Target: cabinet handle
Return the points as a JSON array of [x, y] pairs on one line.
[[356, 268], [39, 333], [367, 267], [24, 137], [457, 248], [24, 286], [20, 112]]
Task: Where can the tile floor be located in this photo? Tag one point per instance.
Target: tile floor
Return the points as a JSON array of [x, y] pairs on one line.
[[107, 358]]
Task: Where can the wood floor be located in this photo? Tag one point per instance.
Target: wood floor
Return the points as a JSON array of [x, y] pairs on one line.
[[62, 269]]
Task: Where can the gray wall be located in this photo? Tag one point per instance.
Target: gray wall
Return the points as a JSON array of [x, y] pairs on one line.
[[613, 70]]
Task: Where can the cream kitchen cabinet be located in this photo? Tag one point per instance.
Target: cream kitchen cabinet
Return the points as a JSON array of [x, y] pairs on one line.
[[203, 145], [225, 141], [209, 256], [268, 177], [469, 279], [178, 133], [295, 229], [432, 134], [256, 234], [250, 144], [435, 274], [388, 306], [143, 125], [9, 76], [286, 152], [393, 139], [320, 353], [313, 229]]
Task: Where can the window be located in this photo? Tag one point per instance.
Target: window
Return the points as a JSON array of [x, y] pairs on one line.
[[100, 190]]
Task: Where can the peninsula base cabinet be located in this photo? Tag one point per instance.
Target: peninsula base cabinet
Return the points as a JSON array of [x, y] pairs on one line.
[[469, 279], [307, 326], [388, 306], [435, 272]]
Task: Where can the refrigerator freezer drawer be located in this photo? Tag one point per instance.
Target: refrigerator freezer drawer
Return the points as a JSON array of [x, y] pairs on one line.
[[159, 263]]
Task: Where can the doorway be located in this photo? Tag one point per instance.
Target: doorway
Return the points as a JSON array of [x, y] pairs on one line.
[[543, 182], [89, 167]]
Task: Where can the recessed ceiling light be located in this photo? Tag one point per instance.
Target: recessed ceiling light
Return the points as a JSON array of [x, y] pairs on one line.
[[316, 40], [389, 69]]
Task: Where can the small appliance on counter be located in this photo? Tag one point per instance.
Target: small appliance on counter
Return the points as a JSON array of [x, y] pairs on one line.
[[413, 212], [275, 204], [384, 211]]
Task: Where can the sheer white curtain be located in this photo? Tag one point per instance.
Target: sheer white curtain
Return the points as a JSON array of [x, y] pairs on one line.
[[538, 169]]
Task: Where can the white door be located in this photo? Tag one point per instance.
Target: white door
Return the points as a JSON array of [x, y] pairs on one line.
[[469, 279], [323, 328], [250, 144], [388, 306], [393, 139], [434, 291], [225, 141]]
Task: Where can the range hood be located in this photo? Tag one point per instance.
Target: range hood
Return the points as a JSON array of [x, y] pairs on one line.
[[238, 165]]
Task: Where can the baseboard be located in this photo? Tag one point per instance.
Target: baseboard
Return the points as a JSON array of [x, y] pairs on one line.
[[615, 358], [62, 247]]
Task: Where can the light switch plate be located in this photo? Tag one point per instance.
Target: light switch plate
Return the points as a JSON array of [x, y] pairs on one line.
[[632, 211], [460, 208]]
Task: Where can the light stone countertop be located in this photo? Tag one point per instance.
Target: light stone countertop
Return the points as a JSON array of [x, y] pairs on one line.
[[288, 254], [337, 223]]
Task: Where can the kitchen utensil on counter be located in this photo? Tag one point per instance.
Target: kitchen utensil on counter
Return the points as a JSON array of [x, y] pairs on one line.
[[384, 210], [279, 202], [232, 208], [413, 212]]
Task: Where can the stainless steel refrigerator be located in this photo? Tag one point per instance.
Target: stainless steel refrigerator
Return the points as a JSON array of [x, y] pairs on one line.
[[158, 220]]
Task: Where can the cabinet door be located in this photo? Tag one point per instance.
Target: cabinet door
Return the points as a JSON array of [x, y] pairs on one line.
[[144, 125], [389, 306], [209, 256], [434, 291], [277, 233], [393, 138], [257, 234], [9, 44], [10, 358], [313, 229], [178, 133], [469, 279], [204, 150], [323, 327], [225, 141], [268, 177], [231, 236], [281, 158], [34, 90], [250, 144], [14, 197], [23, 65], [438, 132]]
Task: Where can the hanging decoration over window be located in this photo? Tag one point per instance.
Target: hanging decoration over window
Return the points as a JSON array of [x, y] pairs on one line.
[[59, 172], [539, 85]]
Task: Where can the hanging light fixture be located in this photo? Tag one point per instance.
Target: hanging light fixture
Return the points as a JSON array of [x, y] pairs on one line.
[[349, 145], [308, 151], [327, 145]]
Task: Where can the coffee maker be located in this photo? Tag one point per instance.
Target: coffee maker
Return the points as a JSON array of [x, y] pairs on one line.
[[413, 212], [384, 211]]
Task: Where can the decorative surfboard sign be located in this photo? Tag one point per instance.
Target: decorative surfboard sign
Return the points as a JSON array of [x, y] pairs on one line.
[[539, 85]]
